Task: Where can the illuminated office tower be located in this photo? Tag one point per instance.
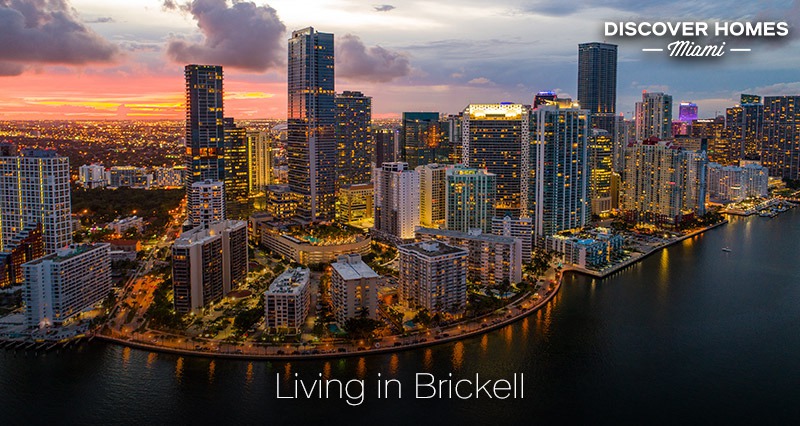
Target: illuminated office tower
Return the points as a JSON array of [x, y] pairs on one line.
[[205, 131], [237, 171], [455, 137], [559, 187], [422, 139], [354, 147], [207, 199], [471, 196], [396, 202], [654, 116], [662, 183], [744, 125], [432, 195], [497, 138], [600, 153], [311, 139], [780, 152], [387, 145], [713, 138], [61, 285], [597, 83], [687, 112], [260, 160], [354, 204], [208, 262], [34, 189]]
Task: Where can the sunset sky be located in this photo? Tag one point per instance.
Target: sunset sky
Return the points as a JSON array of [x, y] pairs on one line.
[[90, 59]]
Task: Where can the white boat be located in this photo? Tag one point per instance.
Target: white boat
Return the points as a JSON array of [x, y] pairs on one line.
[[726, 249]]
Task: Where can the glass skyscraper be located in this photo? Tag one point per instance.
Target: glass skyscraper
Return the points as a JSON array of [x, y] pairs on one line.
[[237, 171], [597, 82], [311, 137], [422, 139], [205, 132], [354, 150], [781, 150]]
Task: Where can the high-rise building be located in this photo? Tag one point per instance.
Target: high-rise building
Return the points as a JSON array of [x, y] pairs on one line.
[[600, 153], [311, 138], [354, 289], [493, 259], [354, 148], [780, 152], [169, 177], [92, 176], [687, 112], [207, 200], [560, 174], [26, 246], [61, 285], [208, 262], [597, 83], [455, 137], [711, 136], [471, 197], [287, 300], [733, 183], [433, 276], [423, 140], [260, 160], [205, 131], [497, 138], [396, 201], [281, 202], [34, 189], [432, 195], [662, 183], [237, 170], [129, 177], [654, 116], [542, 98], [520, 229], [355, 205], [387, 145]]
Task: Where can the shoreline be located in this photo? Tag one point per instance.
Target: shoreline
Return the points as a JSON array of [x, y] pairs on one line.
[[522, 313], [616, 268]]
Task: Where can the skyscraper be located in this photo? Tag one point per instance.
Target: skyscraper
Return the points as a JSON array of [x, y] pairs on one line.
[[497, 138], [559, 187], [354, 147], [781, 150], [471, 199], [662, 183], [422, 139], [396, 202], [237, 170], [311, 139], [597, 82], [207, 263], [432, 195], [600, 153], [260, 160], [433, 276], [34, 189], [654, 116], [386, 143], [207, 200], [744, 125], [687, 112], [205, 131]]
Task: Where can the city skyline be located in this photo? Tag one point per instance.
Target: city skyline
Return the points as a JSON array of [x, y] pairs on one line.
[[424, 62]]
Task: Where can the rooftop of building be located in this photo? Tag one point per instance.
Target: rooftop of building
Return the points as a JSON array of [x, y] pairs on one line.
[[70, 252], [351, 267], [432, 248], [208, 231], [473, 234], [291, 281]]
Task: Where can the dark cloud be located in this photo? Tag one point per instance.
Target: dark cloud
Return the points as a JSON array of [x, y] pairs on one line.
[[376, 64], [101, 20], [41, 32], [243, 36], [383, 7]]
